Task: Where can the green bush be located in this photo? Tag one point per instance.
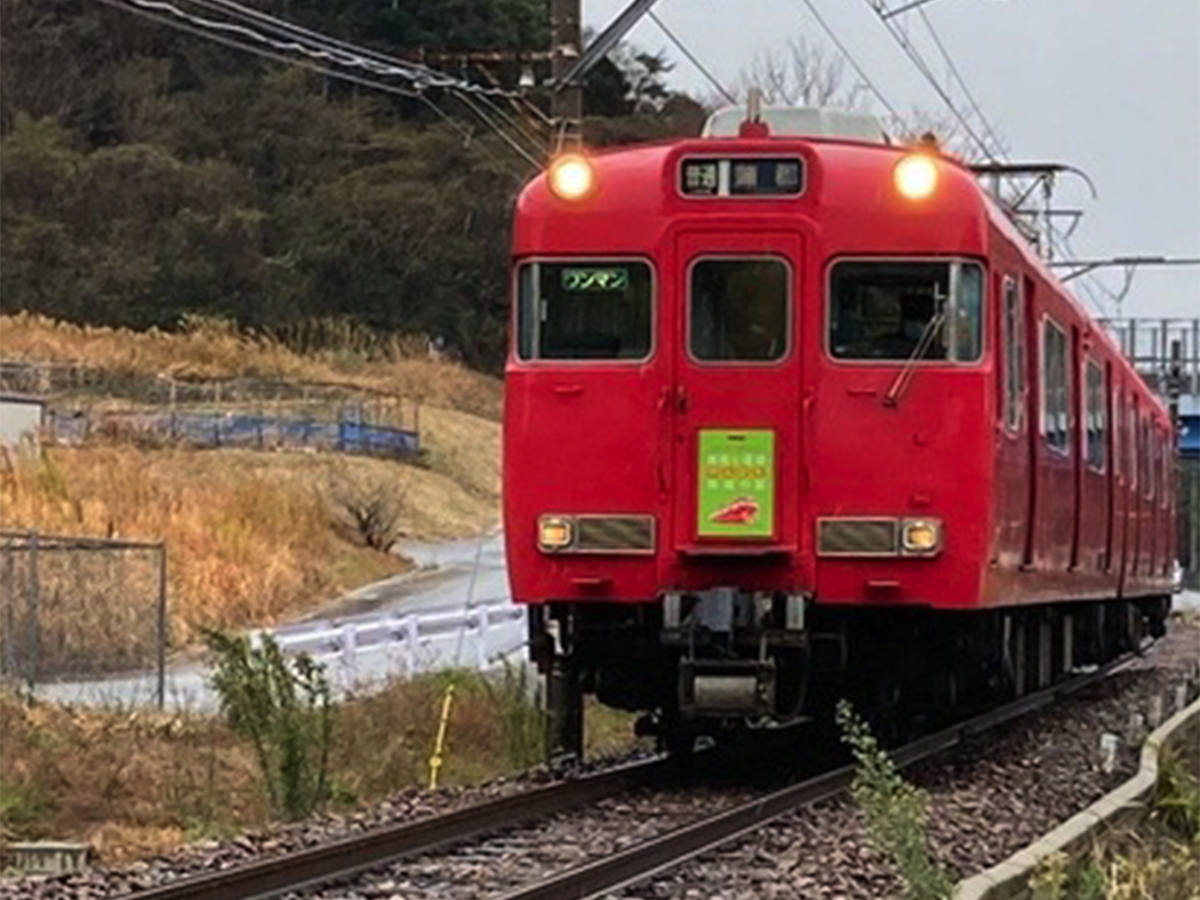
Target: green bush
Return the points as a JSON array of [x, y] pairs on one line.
[[283, 707]]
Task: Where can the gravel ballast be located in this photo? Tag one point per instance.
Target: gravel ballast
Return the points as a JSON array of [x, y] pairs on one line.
[[988, 798]]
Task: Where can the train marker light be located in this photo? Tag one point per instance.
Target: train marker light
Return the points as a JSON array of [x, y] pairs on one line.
[[554, 533], [920, 536], [571, 177], [916, 176]]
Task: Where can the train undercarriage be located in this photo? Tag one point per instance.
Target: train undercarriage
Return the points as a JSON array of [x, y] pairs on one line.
[[726, 663]]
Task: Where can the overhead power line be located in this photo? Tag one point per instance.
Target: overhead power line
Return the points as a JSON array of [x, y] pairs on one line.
[[849, 57], [910, 50], [712, 79], [290, 43], [957, 76]]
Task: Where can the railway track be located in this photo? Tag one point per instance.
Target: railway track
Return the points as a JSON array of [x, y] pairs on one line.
[[346, 858]]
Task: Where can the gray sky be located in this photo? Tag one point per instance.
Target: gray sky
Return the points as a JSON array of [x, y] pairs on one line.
[[1110, 86]]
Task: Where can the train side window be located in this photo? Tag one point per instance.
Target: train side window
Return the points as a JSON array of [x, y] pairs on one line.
[[739, 310], [1096, 418], [1147, 456], [1131, 444], [1168, 470], [584, 310], [1014, 356], [1056, 400], [899, 310]]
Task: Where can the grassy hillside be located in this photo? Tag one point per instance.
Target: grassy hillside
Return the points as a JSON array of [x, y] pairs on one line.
[[256, 536]]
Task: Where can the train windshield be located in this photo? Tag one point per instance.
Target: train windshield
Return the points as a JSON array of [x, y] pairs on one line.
[[739, 310], [584, 310], [886, 309]]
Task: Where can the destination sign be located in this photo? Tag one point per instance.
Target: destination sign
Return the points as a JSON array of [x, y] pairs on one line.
[[595, 279], [742, 176]]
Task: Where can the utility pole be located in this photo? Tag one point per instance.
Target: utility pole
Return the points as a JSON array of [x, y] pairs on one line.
[[566, 99]]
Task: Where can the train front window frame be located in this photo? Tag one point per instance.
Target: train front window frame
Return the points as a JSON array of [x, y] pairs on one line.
[[960, 337], [531, 294], [780, 346]]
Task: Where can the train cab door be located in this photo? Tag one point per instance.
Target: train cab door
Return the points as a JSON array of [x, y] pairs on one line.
[[737, 395]]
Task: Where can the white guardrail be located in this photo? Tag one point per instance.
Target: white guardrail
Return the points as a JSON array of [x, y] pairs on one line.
[[372, 646]]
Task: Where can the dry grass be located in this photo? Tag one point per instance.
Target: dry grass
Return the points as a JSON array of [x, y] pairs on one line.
[[249, 533], [210, 349], [135, 784]]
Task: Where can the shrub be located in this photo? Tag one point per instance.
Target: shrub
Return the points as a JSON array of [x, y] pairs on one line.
[[283, 707], [895, 812]]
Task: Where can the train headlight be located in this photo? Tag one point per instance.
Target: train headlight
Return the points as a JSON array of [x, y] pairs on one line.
[[572, 177], [555, 533], [916, 176], [920, 537]]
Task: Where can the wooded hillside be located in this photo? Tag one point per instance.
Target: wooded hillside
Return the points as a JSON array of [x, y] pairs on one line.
[[148, 175]]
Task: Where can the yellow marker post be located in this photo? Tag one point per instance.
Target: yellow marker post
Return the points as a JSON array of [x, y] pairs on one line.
[[435, 761]]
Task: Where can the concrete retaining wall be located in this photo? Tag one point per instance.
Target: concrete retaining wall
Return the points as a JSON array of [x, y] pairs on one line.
[[1119, 810]]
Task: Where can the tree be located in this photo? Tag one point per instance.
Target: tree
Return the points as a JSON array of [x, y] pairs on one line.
[[802, 75]]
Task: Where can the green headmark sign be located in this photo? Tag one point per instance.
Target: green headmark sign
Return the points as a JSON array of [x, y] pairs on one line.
[[736, 483]]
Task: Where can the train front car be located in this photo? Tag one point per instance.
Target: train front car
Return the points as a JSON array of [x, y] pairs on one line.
[[747, 423]]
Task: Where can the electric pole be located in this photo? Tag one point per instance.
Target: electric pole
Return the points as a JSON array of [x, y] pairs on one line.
[[566, 98]]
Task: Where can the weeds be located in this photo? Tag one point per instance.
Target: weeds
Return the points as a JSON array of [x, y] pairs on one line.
[[283, 707], [522, 722], [895, 812], [1177, 798]]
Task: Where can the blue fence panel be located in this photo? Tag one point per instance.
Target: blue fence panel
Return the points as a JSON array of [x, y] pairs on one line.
[[357, 437], [212, 429]]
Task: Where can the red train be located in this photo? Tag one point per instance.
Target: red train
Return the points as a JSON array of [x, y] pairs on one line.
[[795, 418]]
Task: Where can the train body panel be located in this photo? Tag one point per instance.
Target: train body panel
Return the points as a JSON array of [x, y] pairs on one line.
[[726, 409]]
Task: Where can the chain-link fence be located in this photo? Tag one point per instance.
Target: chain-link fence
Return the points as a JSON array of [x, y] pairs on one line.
[[247, 412], [81, 608]]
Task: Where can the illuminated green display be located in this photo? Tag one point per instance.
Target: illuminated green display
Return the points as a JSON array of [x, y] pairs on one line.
[[595, 279], [736, 474]]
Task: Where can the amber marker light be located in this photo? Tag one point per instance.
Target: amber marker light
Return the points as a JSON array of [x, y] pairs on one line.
[[916, 176], [572, 177], [921, 535], [555, 533]]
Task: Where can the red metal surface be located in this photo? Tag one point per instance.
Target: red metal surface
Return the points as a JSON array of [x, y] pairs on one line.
[[1023, 523]]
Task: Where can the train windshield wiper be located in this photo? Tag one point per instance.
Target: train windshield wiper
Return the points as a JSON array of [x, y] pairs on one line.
[[904, 376]]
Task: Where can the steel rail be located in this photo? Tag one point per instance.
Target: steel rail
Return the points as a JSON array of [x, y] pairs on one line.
[[380, 846], [642, 861]]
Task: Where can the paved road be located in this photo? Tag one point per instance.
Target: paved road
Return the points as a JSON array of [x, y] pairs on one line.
[[450, 578]]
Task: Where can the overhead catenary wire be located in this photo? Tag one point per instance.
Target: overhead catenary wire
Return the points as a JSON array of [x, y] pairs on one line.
[[910, 50], [259, 51], [997, 143], [325, 55], [849, 57], [724, 91], [321, 48]]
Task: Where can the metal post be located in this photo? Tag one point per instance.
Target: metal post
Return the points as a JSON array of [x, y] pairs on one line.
[[174, 399], [35, 625], [162, 625], [8, 665], [566, 103]]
